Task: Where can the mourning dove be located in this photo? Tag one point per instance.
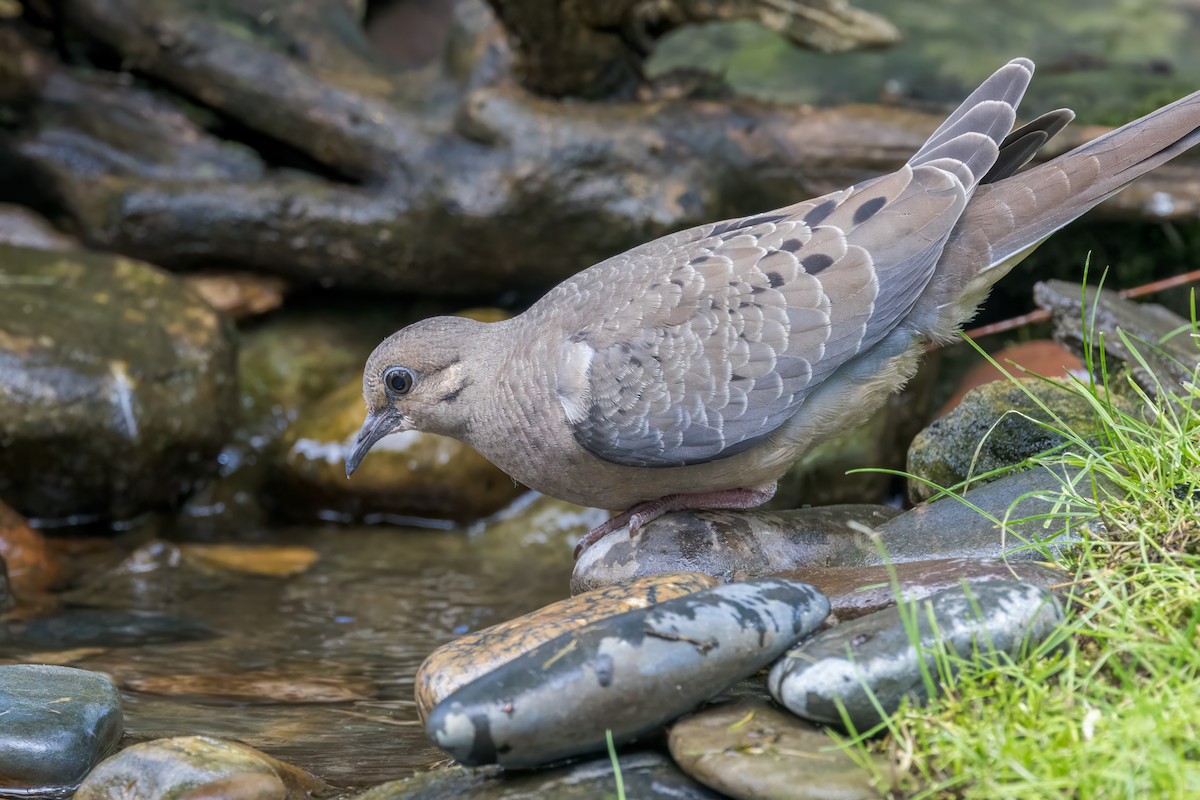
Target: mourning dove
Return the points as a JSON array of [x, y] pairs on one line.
[[692, 371]]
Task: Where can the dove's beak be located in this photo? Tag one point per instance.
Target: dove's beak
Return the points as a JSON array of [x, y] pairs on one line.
[[377, 425]]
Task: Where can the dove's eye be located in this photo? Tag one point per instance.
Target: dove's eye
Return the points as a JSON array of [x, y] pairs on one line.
[[398, 380]]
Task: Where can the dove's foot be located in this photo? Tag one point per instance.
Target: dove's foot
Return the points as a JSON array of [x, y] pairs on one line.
[[645, 513]]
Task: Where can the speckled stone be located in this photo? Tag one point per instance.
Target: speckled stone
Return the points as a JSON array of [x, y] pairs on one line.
[[629, 673], [884, 666], [196, 768], [56, 723], [458, 663], [645, 776], [748, 749], [856, 591]]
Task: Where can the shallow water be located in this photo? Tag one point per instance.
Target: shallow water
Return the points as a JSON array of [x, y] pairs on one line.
[[363, 617]]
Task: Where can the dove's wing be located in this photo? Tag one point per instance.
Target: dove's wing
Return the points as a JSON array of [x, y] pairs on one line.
[[711, 338]]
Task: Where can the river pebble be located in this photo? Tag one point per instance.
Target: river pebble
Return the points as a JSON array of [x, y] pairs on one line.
[[56, 723], [873, 660], [750, 750], [458, 663], [629, 673]]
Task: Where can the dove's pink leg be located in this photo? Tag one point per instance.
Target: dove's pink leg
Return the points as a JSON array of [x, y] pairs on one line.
[[645, 513]]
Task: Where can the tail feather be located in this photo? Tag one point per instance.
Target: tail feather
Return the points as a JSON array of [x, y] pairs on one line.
[[1019, 212], [1006, 220]]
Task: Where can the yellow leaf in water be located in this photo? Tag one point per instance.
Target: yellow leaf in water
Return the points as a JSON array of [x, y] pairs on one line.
[[275, 561]]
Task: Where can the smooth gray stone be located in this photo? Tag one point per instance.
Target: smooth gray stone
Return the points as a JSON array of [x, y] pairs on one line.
[[643, 774], [739, 545], [856, 591], [728, 545], [57, 723], [629, 673], [873, 660]]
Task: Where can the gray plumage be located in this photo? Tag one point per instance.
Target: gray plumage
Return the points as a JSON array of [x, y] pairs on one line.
[[710, 359]]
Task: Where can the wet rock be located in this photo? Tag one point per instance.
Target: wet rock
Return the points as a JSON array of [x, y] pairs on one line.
[[1035, 527], [643, 774], [1166, 354], [884, 666], [629, 673], [727, 545], [118, 385], [456, 664], [158, 575], [286, 364], [408, 474], [196, 768], [32, 566], [239, 295], [252, 687], [7, 601], [750, 750], [819, 478], [856, 591], [996, 425], [22, 227], [1041, 357], [91, 627], [57, 723]]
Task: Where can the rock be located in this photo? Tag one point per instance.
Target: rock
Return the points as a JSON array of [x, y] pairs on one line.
[[32, 567], [855, 591], [750, 750], [996, 425], [57, 723], [252, 687], [90, 627], [728, 545], [7, 601], [119, 386], [286, 364], [196, 768], [884, 666], [409, 474], [1041, 357], [22, 227], [1035, 527], [456, 664], [239, 295], [629, 673], [644, 775], [1166, 355], [819, 478], [156, 575]]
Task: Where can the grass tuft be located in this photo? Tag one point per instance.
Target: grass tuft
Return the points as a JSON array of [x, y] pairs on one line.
[[1110, 707]]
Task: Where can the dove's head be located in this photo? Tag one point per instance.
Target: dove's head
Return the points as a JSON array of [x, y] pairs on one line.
[[416, 380]]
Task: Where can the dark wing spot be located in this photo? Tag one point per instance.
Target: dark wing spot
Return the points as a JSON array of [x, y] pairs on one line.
[[791, 245], [868, 209], [776, 279], [725, 227], [819, 213], [700, 260], [816, 263]]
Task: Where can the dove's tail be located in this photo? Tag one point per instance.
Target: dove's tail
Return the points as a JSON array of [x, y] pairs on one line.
[[1008, 218]]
